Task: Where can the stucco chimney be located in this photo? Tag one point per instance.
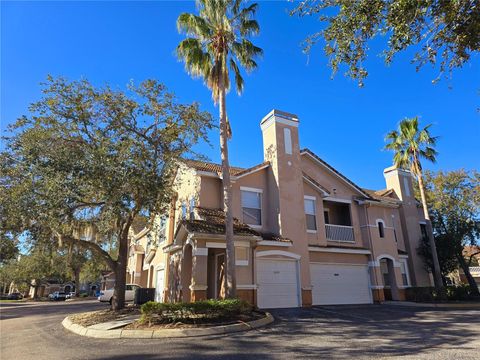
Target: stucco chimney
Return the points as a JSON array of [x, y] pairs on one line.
[[401, 182]]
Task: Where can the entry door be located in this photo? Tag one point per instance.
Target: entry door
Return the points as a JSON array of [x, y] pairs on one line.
[[159, 285], [340, 284], [277, 282]]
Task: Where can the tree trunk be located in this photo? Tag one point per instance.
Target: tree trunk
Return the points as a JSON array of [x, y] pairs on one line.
[[118, 301], [76, 273], [230, 278], [437, 274], [468, 275]]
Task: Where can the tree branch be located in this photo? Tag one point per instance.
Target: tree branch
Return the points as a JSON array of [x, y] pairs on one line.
[[90, 246]]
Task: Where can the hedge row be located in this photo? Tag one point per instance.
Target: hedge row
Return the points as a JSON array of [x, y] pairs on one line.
[[194, 312], [429, 294]]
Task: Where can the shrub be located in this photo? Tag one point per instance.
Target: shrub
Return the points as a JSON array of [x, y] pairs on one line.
[[198, 311], [429, 294]]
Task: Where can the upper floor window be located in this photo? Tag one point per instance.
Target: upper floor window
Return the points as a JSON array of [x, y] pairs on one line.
[[252, 207], [423, 230], [162, 230], [184, 210], [192, 208], [310, 213], [381, 228]]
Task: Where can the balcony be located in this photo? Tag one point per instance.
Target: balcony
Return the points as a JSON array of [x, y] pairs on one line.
[[338, 222], [340, 233], [475, 271]]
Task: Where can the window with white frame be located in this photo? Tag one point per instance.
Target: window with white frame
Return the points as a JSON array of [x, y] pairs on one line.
[[310, 213], [252, 207], [403, 268], [162, 229], [184, 210], [192, 208]]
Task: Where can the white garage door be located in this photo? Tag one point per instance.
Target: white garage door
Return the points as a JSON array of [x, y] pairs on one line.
[[340, 284], [159, 285], [277, 282]]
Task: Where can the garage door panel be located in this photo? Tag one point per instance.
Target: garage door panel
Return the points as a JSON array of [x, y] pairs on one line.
[[277, 282], [340, 284]]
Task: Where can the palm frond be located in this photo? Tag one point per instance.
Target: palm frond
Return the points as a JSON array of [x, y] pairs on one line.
[[194, 25], [197, 61], [410, 145], [238, 76]]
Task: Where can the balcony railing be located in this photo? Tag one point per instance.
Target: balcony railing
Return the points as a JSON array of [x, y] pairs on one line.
[[475, 270], [339, 233]]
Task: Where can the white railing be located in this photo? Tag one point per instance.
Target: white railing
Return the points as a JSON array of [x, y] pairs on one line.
[[339, 233], [475, 270]]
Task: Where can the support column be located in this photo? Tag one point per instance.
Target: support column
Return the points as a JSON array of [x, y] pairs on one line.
[[198, 286]]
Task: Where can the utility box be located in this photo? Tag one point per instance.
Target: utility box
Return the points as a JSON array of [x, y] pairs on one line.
[[143, 295]]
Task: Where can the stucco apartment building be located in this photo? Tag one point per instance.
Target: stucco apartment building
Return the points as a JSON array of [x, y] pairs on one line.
[[304, 233]]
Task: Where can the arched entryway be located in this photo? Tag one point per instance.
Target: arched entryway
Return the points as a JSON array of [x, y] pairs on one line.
[[390, 287], [186, 273]]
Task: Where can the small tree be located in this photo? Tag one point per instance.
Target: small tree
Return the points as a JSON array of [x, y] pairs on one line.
[[88, 161], [454, 202]]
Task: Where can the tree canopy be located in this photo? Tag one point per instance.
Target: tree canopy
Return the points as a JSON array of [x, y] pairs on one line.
[[454, 201], [88, 160], [440, 32]]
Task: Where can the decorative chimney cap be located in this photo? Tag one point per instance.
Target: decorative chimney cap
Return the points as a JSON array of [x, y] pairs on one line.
[[280, 114]]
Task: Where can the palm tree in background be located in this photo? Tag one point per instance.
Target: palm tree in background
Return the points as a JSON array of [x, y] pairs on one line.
[[217, 40], [411, 145]]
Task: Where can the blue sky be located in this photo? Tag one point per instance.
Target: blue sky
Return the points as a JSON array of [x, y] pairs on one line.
[[115, 42]]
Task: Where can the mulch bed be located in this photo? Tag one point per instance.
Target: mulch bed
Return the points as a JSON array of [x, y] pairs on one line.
[[205, 322], [101, 316]]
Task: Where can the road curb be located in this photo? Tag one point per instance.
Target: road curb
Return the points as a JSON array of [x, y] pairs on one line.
[[165, 333], [434, 305]]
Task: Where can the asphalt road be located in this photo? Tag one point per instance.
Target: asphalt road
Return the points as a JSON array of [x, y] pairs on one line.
[[34, 331]]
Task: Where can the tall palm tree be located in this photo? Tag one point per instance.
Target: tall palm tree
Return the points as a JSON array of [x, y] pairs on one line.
[[410, 145], [217, 39]]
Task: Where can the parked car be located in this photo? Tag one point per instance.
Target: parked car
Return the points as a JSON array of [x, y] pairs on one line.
[[14, 296], [107, 295], [70, 295], [57, 296]]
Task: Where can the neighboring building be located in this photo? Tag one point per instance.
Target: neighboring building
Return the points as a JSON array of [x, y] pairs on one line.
[[304, 233]]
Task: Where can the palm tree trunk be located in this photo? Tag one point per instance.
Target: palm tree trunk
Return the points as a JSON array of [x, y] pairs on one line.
[[437, 274], [230, 278]]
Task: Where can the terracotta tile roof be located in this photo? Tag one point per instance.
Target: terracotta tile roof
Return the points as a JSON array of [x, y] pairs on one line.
[[385, 195], [253, 168], [217, 168], [274, 237], [212, 221], [311, 153], [212, 167]]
